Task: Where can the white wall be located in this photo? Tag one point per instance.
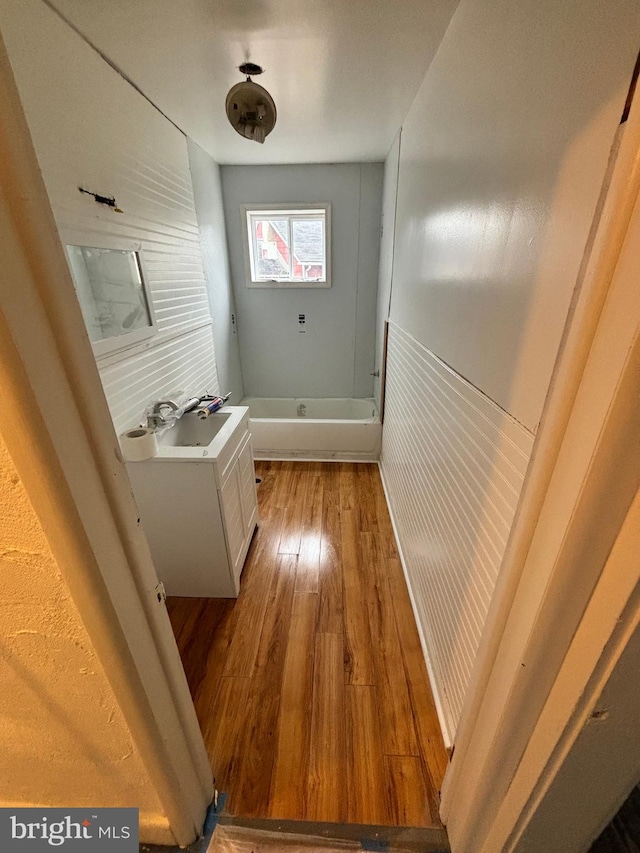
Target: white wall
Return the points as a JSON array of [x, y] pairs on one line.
[[91, 128], [64, 739], [385, 271], [454, 465], [503, 156], [207, 192], [335, 355]]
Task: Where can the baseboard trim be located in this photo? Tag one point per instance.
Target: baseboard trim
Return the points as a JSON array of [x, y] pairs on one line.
[[313, 456], [446, 734]]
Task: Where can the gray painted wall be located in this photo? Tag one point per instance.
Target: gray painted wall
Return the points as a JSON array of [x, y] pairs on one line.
[[389, 194], [336, 354], [207, 193]]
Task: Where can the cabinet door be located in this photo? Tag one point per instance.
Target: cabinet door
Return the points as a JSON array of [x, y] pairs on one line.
[[233, 520], [248, 494]]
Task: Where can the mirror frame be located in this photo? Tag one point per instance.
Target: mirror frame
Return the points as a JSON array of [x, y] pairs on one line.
[[90, 240]]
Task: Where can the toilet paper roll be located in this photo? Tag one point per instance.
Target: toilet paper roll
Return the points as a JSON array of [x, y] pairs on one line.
[[138, 444]]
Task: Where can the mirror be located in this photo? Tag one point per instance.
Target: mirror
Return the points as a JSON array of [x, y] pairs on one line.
[[113, 296]]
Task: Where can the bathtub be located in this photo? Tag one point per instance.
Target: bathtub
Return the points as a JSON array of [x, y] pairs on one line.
[[288, 428]]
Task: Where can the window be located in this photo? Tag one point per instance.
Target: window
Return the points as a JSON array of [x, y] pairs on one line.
[[288, 247], [113, 296]]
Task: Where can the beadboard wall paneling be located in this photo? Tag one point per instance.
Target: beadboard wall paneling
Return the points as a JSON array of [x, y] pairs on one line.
[[453, 464], [90, 128], [182, 363]]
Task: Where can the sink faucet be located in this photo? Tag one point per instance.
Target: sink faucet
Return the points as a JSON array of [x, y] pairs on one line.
[[156, 419]]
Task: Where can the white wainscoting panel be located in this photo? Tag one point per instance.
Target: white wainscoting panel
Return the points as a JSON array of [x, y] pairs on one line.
[[181, 363], [90, 128], [453, 464]]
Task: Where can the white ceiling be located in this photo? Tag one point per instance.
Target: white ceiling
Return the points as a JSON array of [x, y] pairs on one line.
[[343, 73]]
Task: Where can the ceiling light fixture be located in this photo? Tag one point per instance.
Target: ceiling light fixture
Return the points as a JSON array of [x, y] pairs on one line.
[[250, 108]]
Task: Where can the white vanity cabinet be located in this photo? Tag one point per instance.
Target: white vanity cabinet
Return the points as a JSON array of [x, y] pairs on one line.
[[199, 509], [239, 505]]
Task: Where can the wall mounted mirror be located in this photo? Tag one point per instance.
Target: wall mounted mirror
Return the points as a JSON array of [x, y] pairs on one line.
[[112, 292]]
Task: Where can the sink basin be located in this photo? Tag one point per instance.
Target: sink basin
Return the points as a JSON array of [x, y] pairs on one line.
[[194, 439], [192, 431]]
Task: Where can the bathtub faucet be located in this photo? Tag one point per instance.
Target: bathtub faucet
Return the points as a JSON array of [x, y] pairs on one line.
[[302, 410]]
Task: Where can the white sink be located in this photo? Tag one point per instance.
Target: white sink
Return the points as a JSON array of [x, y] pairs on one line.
[[194, 438], [192, 431]]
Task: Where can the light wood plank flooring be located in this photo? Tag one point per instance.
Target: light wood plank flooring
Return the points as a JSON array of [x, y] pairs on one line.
[[311, 688]]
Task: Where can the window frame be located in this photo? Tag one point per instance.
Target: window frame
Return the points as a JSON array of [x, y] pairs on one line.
[[292, 210], [89, 240]]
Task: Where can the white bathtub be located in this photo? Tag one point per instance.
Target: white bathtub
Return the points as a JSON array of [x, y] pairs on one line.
[[288, 428]]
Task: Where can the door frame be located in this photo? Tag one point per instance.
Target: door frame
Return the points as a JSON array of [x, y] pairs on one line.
[[586, 447], [58, 430]]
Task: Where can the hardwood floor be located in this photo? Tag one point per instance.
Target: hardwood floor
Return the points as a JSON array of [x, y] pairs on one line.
[[311, 688]]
